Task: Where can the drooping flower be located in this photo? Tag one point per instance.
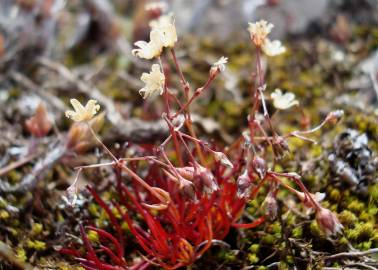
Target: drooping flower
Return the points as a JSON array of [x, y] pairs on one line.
[[221, 64], [151, 49], [259, 32], [273, 48], [154, 82], [328, 222], [81, 113], [222, 158], [283, 101], [165, 26]]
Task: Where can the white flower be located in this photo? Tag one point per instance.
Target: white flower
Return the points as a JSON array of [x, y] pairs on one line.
[[165, 25], [283, 101], [273, 48], [221, 64], [259, 32], [151, 49], [162, 6], [154, 82], [81, 113]]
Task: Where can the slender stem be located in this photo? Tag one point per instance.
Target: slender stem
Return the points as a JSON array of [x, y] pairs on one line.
[[197, 93], [101, 143], [142, 182], [184, 83], [171, 130], [300, 184]]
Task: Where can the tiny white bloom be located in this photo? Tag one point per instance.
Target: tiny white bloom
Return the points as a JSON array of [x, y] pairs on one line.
[[273, 48], [221, 64], [162, 6], [154, 82], [81, 113], [283, 101], [151, 49], [259, 31], [165, 25]]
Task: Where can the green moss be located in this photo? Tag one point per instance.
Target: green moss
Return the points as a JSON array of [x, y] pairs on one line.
[[4, 215], [343, 241], [36, 245], [254, 248], [373, 192], [268, 239], [364, 245], [37, 228], [93, 236], [335, 195], [229, 256], [314, 228], [21, 254], [356, 206], [93, 210], [252, 258], [284, 265], [347, 218], [297, 232], [362, 231], [275, 228]]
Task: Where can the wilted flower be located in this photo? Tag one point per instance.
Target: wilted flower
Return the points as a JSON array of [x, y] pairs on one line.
[[82, 113], [165, 26], [283, 101], [259, 32], [328, 221], [273, 48], [222, 158], [151, 49], [154, 81]]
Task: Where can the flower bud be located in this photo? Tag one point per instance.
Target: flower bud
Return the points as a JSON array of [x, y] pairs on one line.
[[335, 116], [244, 185], [205, 179], [270, 205], [259, 165], [328, 222], [222, 158]]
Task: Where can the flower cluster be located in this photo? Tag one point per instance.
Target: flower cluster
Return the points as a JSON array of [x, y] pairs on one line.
[[259, 32], [163, 34]]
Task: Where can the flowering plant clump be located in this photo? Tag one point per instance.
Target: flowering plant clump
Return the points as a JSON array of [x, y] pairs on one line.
[[181, 196]]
